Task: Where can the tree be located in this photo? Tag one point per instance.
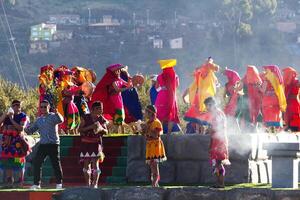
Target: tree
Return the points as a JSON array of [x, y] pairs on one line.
[[11, 91], [240, 13]]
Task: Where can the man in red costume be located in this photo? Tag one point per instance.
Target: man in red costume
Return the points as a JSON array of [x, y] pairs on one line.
[[217, 128]]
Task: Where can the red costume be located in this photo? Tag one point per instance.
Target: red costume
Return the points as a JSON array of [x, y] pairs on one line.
[[273, 102], [252, 81], [291, 84], [230, 87]]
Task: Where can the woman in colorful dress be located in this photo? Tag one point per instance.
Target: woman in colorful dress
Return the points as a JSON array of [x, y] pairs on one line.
[[204, 85], [14, 149], [46, 86], [166, 103], [292, 88], [155, 151], [217, 128], [66, 106], [131, 101], [108, 91], [92, 128], [250, 104], [231, 91], [273, 101]]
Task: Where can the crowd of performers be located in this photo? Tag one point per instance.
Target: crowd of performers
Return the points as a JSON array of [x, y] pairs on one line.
[[70, 104]]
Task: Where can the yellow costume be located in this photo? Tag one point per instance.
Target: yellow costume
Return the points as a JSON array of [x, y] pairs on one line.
[[155, 147]]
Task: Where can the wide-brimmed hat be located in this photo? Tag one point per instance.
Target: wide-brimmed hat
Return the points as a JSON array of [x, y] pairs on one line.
[[115, 67], [167, 63]]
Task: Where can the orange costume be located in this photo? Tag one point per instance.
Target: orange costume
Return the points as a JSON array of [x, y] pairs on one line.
[[291, 84], [203, 86], [154, 146]]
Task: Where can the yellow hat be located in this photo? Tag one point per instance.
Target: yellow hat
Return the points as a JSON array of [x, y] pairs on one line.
[[167, 63]]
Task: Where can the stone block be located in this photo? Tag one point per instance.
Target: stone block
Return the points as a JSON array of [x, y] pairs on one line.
[[287, 137], [135, 148], [269, 167], [188, 172], [239, 146], [195, 194], [136, 193], [79, 193], [167, 172], [138, 171], [188, 147], [206, 173], [286, 195], [257, 141], [285, 172], [249, 194], [237, 172], [284, 153], [263, 172], [253, 172], [285, 146]]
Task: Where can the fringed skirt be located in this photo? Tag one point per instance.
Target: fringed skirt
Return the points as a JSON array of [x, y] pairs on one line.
[[155, 150]]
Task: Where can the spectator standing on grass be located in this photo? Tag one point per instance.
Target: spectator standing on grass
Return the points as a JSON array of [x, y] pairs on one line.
[[47, 126]]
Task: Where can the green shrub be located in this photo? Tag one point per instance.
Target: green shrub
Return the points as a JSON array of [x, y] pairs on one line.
[[10, 91]]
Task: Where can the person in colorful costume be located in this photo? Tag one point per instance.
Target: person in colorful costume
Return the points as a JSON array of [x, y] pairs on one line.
[[66, 91], [152, 91], [155, 151], [131, 101], [108, 91], [47, 86], [204, 85], [13, 146], [166, 103], [273, 101], [91, 129], [217, 128], [251, 109], [292, 88], [81, 76], [231, 91]]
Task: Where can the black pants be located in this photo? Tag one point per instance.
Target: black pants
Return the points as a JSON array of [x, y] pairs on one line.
[[44, 150]]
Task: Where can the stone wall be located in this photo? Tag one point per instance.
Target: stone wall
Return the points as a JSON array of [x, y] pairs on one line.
[[175, 193], [188, 159]]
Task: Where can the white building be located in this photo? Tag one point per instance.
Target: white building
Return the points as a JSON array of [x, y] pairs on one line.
[[64, 19], [176, 43], [157, 43]]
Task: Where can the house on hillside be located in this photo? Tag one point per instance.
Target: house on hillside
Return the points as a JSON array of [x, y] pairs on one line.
[[38, 47], [40, 36], [157, 43], [64, 19], [107, 24], [63, 35], [43, 32], [176, 43]]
